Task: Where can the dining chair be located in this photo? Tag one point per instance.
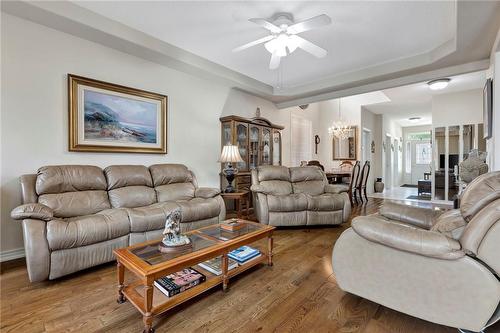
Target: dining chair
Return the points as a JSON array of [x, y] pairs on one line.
[[353, 182], [316, 163], [363, 179]]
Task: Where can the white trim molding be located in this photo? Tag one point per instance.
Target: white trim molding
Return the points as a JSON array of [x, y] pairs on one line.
[[12, 254]]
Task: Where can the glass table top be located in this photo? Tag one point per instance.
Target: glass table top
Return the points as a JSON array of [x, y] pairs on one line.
[[200, 239], [153, 256], [224, 235]]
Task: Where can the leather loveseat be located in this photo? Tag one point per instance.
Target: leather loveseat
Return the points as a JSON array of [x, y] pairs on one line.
[[443, 267], [74, 216], [297, 196]]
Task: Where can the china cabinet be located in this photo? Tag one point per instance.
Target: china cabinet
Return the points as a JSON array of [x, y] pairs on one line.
[[258, 141]]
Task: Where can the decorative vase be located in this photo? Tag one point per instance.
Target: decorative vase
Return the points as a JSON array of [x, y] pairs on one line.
[[379, 185]]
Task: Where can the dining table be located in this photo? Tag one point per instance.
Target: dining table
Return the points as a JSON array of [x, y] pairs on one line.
[[335, 176]]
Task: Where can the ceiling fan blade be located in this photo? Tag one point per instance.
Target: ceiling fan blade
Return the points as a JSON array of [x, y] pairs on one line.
[[255, 42], [265, 24], [275, 61], [307, 46], [312, 23]]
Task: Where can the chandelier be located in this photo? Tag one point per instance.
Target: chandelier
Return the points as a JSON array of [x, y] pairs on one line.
[[340, 129]]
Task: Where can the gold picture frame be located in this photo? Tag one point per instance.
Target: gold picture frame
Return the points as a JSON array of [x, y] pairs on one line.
[[110, 118]]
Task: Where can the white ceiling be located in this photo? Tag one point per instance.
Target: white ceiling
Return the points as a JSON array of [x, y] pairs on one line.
[[362, 35], [372, 45], [415, 100]]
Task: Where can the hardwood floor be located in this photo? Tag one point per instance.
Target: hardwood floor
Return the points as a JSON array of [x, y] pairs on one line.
[[297, 294]]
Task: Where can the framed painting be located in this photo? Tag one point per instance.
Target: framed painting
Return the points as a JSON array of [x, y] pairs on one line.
[[106, 117]]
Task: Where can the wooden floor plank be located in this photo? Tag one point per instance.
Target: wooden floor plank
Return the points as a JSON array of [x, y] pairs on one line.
[[298, 294]]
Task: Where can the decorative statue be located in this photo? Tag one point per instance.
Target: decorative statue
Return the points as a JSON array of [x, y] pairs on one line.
[[474, 166], [172, 233]]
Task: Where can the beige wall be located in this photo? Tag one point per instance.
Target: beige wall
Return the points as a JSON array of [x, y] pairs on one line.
[[34, 131]]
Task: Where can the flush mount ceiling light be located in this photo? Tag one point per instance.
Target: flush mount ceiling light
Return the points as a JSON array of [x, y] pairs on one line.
[[283, 39], [438, 84]]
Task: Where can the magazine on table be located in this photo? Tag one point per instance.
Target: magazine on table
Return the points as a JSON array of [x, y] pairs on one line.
[[178, 282], [243, 254], [214, 265]]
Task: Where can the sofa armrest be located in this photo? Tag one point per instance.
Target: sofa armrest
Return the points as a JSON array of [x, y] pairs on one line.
[[417, 216], [336, 188], [35, 211], [259, 189], [206, 192], [407, 238]]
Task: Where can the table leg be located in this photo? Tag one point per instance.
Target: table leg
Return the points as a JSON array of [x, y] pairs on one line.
[[248, 206], [270, 250], [121, 278], [148, 304], [237, 203], [225, 276]]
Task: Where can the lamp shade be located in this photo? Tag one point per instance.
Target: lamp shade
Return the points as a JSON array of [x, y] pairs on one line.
[[230, 154]]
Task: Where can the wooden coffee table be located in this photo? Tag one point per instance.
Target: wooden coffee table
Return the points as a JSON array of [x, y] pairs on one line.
[[148, 264]]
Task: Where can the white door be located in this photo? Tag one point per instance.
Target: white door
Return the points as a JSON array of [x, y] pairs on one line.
[[366, 145], [420, 159], [395, 171], [388, 162]]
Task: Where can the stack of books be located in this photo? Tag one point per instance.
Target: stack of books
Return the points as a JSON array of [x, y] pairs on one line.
[[244, 254], [178, 282], [215, 265]]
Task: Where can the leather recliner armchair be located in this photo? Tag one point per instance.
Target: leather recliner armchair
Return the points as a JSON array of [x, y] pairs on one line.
[[74, 216], [440, 267], [297, 196]]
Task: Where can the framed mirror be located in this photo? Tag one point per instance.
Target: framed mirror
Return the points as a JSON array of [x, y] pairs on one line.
[[345, 149]]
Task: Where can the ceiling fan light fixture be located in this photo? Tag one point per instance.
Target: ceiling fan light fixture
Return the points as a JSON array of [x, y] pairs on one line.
[[438, 84]]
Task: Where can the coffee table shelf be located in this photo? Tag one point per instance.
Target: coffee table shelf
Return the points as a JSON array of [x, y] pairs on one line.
[[148, 264]]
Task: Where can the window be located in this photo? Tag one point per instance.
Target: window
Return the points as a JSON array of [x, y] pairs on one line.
[[301, 140], [408, 157], [423, 153], [419, 136]]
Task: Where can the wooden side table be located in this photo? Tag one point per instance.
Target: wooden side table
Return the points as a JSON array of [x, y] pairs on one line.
[[238, 197]]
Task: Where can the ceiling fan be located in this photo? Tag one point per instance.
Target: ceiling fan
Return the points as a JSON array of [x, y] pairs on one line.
[[283, 39]]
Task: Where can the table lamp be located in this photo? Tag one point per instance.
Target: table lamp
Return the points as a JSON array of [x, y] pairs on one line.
[[230, 154]]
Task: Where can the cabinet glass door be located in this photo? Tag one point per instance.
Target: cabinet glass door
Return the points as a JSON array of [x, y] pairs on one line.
[[227, 138], [266, 146], [242, 143], [254, 147], [276, 148]]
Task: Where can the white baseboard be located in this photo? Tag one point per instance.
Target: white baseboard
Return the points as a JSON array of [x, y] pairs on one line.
[[12, 254]]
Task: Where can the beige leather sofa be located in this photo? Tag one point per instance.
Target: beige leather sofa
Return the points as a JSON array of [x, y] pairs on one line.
[[74, 216], [441, 267], [297, 196]]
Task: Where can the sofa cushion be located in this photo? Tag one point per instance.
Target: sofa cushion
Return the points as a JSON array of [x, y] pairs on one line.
[[273, 172], [311, 187], [287, 203], [174, 192], [325, 202], [479, 193], [151, 217], [163, 174], [199, 209], [69, 204], [274, 187], [127, 175], [308, 173], [86, 230], [132, 196], [450, 223], [69, 178]]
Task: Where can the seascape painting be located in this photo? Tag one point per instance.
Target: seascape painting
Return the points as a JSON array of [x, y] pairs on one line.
[[115, 118], [106, 117]]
